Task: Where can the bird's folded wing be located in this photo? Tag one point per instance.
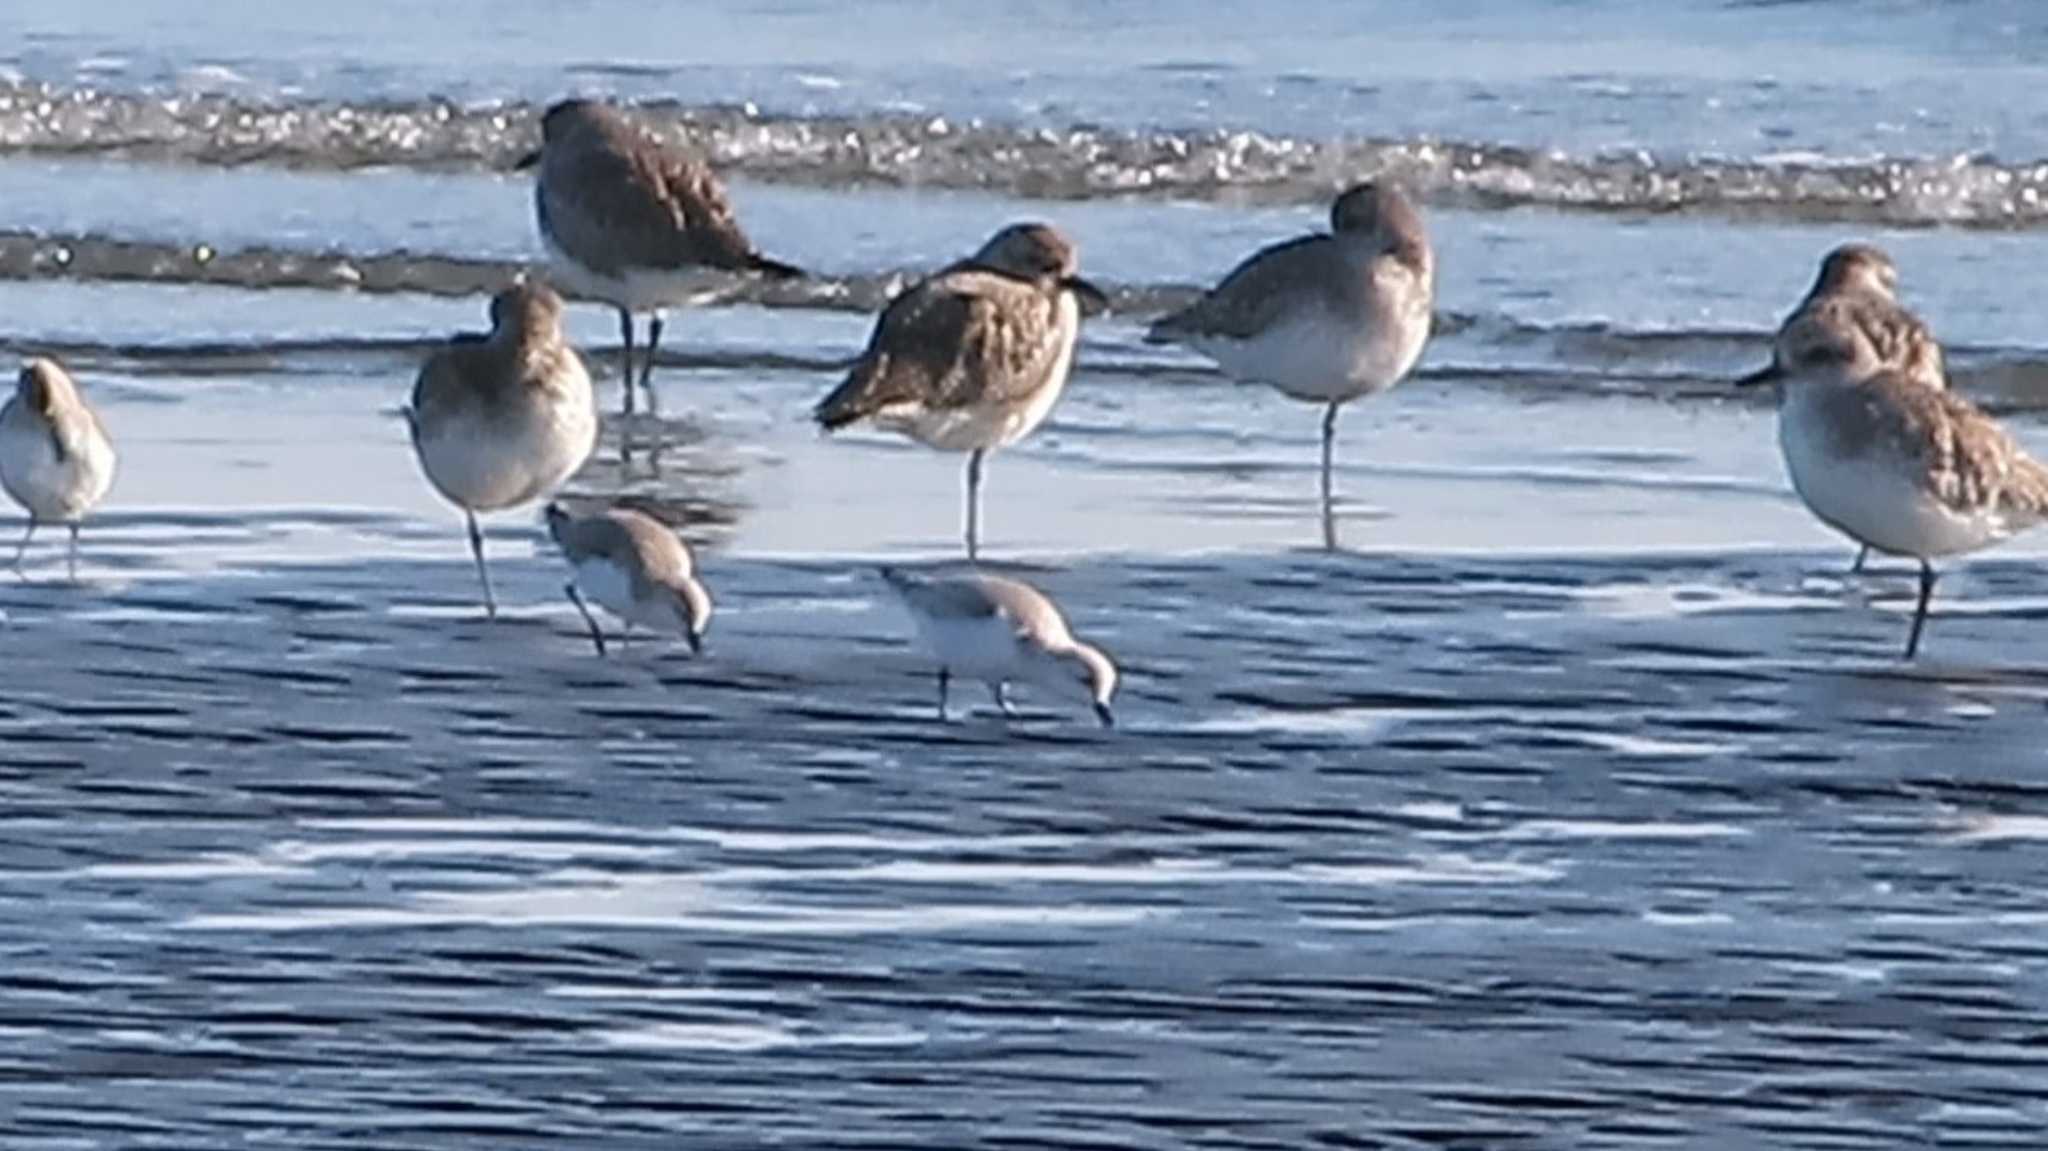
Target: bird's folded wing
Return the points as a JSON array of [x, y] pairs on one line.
[[643, 208], [1268, 285]]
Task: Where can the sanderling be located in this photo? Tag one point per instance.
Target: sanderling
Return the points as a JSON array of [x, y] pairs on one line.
[[1894, 464], [996, 629], [1323, 318], [974, 357], [636, 568], [503, 419], [55, 458], [1854, 302], [632, 222]]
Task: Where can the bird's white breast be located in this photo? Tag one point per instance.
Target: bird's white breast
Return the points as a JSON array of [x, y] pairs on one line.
[[1314, 352], [636, 289], [488, 465], [997, 424], [53, 488], [977, 647], [1874, 496]]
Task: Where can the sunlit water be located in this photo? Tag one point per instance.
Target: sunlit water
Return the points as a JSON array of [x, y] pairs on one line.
[[1578, 801]]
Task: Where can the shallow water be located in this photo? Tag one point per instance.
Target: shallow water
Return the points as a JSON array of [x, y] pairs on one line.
[[1579, 801]]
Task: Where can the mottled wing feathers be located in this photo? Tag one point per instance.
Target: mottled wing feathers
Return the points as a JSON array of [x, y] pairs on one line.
[[1965, 459], [962, 337], [1883, 331], [615, 202], [1269, 284]]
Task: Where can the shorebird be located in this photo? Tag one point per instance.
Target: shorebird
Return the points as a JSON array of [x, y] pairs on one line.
[[55, 458], [1894, 464], [996, 629], [973, 358], [1854, 303], [632, 222], [501, 420], [636, 568], [1326, 318]]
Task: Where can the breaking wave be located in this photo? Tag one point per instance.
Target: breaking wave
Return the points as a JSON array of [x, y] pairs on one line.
[[1077, 162]]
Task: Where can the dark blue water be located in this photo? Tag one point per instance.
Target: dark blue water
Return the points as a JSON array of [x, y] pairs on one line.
[[1578, 803]]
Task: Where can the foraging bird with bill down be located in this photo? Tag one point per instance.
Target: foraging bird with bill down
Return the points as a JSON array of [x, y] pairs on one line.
[[996, 629], [974, 357], [635, 567]]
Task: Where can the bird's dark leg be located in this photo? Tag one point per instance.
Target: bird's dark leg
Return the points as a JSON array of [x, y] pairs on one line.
[[71, 555], [1920, 612], [1862, 554], [1329, 504], [945, 681], [21, 549], [596, 633], [626, 356], [483, 574], [974, 463], [654, 326], [1000, 692]]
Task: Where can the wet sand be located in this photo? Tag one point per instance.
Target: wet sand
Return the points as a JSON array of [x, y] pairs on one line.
[[1581, 804]]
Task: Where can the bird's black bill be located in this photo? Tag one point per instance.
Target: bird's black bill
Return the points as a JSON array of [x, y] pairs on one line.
[[1768, 374], [530, 160], [696, 643], [1093, 299], [1107, 716]]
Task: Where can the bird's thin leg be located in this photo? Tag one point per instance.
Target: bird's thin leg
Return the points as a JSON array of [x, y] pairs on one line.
[[945, 681], [1000, 692], [654, 327], [1329, 505], [71, 555], [974, 462], [21, 549], [483, 574], [626, 356], [1920, 612], [596, 633], [1862, 554]]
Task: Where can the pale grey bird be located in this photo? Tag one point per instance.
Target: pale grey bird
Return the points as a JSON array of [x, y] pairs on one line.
[[633, 222], [975, 357], [56, 459], [996, 630], [636, 568], [1326, 318], [501, 420]]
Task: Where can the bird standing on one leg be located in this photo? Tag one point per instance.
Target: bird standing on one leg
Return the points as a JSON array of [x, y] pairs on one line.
[[56, 460], [1326, 318], [1854, 304], [501, 420], [634, 223], [1894, 464], [975, 357]]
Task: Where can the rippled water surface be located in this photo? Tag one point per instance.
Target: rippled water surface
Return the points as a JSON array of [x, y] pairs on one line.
[[1577, 801]]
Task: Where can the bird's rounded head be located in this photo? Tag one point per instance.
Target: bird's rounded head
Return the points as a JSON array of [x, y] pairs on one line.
[[525, 307], [1858, 266], [44, 385]]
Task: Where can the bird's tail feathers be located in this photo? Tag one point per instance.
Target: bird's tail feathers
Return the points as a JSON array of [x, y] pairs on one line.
[[775, 269]]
